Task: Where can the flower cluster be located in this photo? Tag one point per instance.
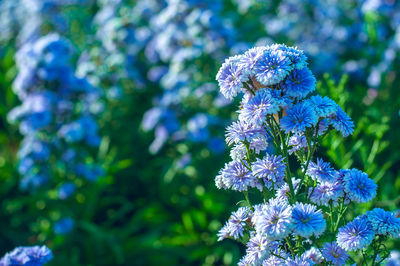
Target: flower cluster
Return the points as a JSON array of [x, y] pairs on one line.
[[302, 211], [56, 117], [36, 255]]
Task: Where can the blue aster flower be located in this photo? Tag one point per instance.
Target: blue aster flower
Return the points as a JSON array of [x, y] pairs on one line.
[[307, 220], [299, 83], [298, 118], [271, 169], [299, 261], [335, 254], [384, 222], [326, 191], [36, 255], [321, 171], [258, 107], [283, 192], [356, 234], [272, 67], [324, 106], [236, 177], [250, 58], [241, 131], [273, 219], [358, 186], [273, 261], [258, 248], [230, 77], [297, 142], [342, 122], [235, 225]]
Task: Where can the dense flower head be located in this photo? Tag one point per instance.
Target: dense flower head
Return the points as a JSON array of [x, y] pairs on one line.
[[321, 171], [250, 58], [230, 77], [36, 255], [235, 225], [299, 261], [326, 191], [236, 177], [307, 220], [332, 252], [358, 186], [342, 122], [271, 169], [324, 106], [299, 83], [241, 131], [356, 234], [273, 219], [298, 118], [297, 142], [258, 107], [272, 67], [384, 222], [258, 248]]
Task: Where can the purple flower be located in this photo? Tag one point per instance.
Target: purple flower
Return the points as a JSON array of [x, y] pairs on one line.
[[236, 177], [241, 131], [271, 169], [230, 77], [235, 225]]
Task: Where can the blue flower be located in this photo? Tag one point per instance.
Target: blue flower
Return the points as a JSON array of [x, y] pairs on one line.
[[272, 67], [358, 186], [36, 255], [342, 122], [297, 142], [273, 219], [307, 220], [241, 131], [66, 190], [236, 177], [325, 192], [235, 225], [356, 234], [324, 106], [299, 261], [335, 254], [298, 118], [299, 83], [230, 77], [258, 107], [271, 169], [321, 171], [250, 58], [283, 192], [384, 222], [257, 249], [64, 226]]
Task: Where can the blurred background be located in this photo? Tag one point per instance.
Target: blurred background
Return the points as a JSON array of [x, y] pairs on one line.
[[112, 127]]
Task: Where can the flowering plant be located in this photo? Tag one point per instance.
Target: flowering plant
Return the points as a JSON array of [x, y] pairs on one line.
[[301, 219]]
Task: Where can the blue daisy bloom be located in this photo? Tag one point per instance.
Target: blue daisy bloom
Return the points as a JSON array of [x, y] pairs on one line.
[[273, 261], [237, 177], [384, 222], [325, 192], [271, 169], [307, 220], [297, 142], [335, 254], [273, 219], [296, 56], [299, 261], [358, 186], [230, 77], [356, 234], [342, 122], [298, 118], [36, 255], [299, 83], [258, 107], [272, 67], [241, 131], [250, 58], [321, 171], [235, 225], [324, 106], [257, 249]]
